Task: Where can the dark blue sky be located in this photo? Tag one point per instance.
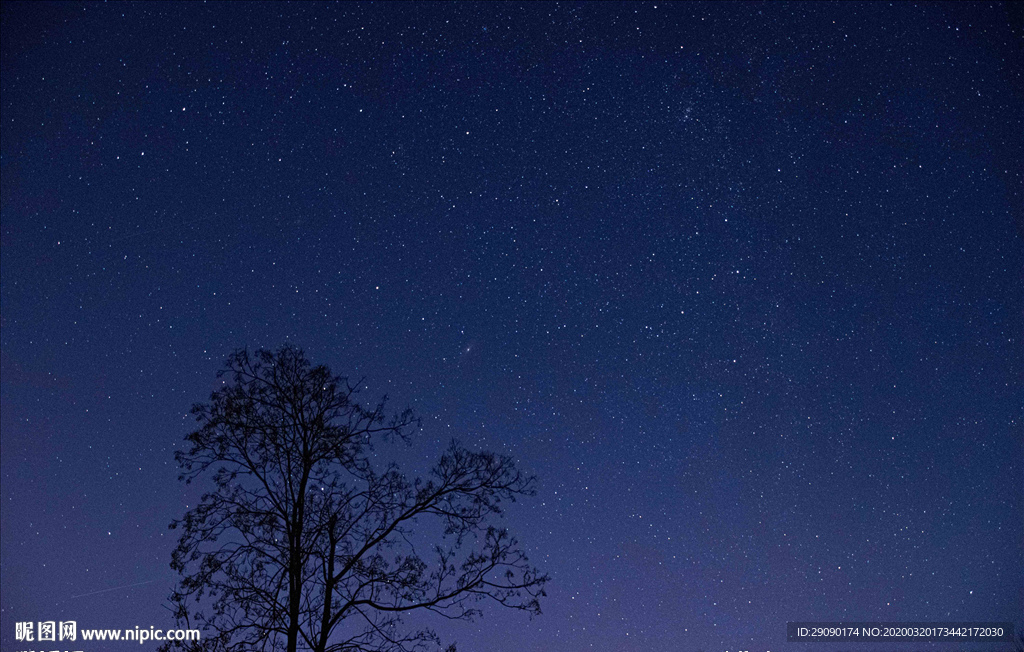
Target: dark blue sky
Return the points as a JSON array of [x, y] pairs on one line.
[[741, 283]]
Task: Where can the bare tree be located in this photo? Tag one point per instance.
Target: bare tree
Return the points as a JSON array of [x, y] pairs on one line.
[[306, 542]]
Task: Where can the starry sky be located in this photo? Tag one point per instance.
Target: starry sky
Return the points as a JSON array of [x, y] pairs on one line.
[[741, 283]]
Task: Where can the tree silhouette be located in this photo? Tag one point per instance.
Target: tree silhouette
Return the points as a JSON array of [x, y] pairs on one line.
[[307, 542]]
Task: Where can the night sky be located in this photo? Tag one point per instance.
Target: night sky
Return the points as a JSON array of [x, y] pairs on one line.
[[740, 283]]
